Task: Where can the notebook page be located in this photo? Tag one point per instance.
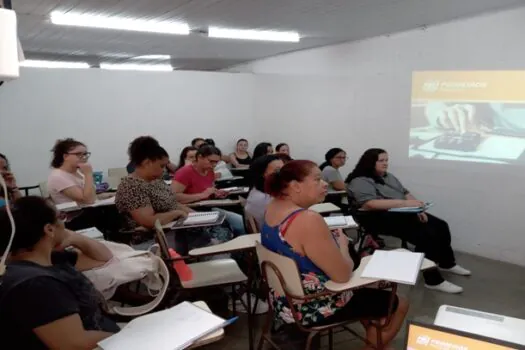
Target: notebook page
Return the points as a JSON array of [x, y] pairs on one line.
[[171, 329], [201, 218], [335, 221], [394, 266]]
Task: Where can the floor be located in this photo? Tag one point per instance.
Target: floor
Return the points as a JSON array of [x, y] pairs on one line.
[[494, 287]]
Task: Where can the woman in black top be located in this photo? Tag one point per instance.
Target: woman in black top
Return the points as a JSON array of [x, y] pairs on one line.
[[46, 302], [241, 158]]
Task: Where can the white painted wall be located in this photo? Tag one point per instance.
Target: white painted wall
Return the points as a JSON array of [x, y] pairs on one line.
[[357, 95], [107, 109]]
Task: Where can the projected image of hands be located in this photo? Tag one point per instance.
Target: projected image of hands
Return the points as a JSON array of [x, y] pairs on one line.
[[465, 116]]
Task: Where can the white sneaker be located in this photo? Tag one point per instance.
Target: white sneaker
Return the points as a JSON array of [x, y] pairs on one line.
[[457, 270], [262, 306], [446, 287]]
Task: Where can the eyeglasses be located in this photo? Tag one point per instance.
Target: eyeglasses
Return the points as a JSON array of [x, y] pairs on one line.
[[84, 155], [344, 158]]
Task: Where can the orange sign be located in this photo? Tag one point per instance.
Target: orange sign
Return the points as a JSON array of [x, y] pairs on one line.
[[422, 338], [469, 86]]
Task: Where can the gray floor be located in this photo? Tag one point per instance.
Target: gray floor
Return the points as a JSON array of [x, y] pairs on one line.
[[494, 287]]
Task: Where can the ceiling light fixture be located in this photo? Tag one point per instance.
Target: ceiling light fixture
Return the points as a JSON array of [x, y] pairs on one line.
[[264, 35], [139, 67], [113, 22], [152, 57], [54, 64]]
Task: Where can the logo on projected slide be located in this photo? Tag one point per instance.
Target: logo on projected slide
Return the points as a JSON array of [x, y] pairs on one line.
[[437, 344], [436, 85], [431, 85]]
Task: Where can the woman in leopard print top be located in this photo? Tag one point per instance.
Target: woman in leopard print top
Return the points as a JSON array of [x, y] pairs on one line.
[[143, 197]]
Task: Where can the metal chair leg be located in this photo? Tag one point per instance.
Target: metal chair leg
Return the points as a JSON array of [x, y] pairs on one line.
[[310, 339]]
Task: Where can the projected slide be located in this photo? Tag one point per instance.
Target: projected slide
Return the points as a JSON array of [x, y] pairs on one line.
[[476, 116]]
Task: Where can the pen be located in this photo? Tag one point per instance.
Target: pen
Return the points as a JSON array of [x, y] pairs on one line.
[[231, 321]]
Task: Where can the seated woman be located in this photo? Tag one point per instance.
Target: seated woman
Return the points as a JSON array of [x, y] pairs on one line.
[[143, 198], [294, 231], [262, 149], [241, 158], [187, 156], [282, 148], [257, 199], [335, 158], [197, 142], [196, 182], [167, 173], [375, 190], [71, 179], [46, 302], [13, 192]]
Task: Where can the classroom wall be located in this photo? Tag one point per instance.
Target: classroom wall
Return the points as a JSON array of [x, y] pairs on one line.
[[107, 109], [357, 95]]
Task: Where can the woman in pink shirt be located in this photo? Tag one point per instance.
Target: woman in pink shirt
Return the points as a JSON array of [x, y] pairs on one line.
[[71, 179], [196, 182]]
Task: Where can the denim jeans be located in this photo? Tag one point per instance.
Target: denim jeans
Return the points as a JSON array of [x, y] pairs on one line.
[[235, 221]]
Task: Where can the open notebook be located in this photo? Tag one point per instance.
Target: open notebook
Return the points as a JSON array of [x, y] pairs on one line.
[[412, 209], [172, 329], [394, 266], [340, 221], [198, 219]]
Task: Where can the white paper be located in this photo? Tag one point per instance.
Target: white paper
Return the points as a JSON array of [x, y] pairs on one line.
[[170, 329], [201, 218], [340, 221], [91, 232], [394, 266]]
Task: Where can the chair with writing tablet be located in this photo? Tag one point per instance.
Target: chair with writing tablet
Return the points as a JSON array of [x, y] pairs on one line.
[[206, 274], [117, 172], [363, 233], [281, 274]]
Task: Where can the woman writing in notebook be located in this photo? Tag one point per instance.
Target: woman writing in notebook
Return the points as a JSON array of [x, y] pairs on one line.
[[374, 190], [292, 230], [196, 182], [241, 159], [143, 197]]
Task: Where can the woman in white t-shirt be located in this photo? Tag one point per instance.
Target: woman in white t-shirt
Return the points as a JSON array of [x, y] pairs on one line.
[[71, 179]]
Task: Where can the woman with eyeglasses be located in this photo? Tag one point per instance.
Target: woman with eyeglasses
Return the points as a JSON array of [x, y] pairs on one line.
[[71, 179], [335, 158]]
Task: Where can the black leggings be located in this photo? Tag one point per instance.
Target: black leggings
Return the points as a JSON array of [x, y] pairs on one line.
[[432, 238]]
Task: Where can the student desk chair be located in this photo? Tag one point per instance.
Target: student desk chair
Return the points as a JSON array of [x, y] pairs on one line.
[[282, 275]]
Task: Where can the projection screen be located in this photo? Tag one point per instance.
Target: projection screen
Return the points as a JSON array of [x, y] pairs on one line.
[[475, 116]]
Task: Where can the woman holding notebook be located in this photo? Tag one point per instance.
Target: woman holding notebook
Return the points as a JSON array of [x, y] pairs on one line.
[[375, 191], [143, 197], [290, 229]]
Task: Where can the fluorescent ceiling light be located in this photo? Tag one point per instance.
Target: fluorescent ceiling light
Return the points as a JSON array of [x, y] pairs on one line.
[[113, 22], [142, 67], [152, 57], [265, 35], [53, 64]]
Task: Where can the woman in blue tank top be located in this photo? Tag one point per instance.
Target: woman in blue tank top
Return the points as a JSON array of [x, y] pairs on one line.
[[296, 232]]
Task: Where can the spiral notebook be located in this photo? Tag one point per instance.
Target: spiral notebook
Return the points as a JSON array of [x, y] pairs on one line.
[[197, 219], [172, 329], [394, 266]]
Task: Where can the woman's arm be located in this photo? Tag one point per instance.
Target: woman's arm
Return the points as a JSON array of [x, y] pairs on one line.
[[91, 253], [338, 185], [69, 333], [310, 236], [185, 198], [146, 216], [385, 204]]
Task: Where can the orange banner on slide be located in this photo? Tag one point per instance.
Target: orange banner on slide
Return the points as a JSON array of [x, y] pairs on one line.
[[469, 86], [422, 338]]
